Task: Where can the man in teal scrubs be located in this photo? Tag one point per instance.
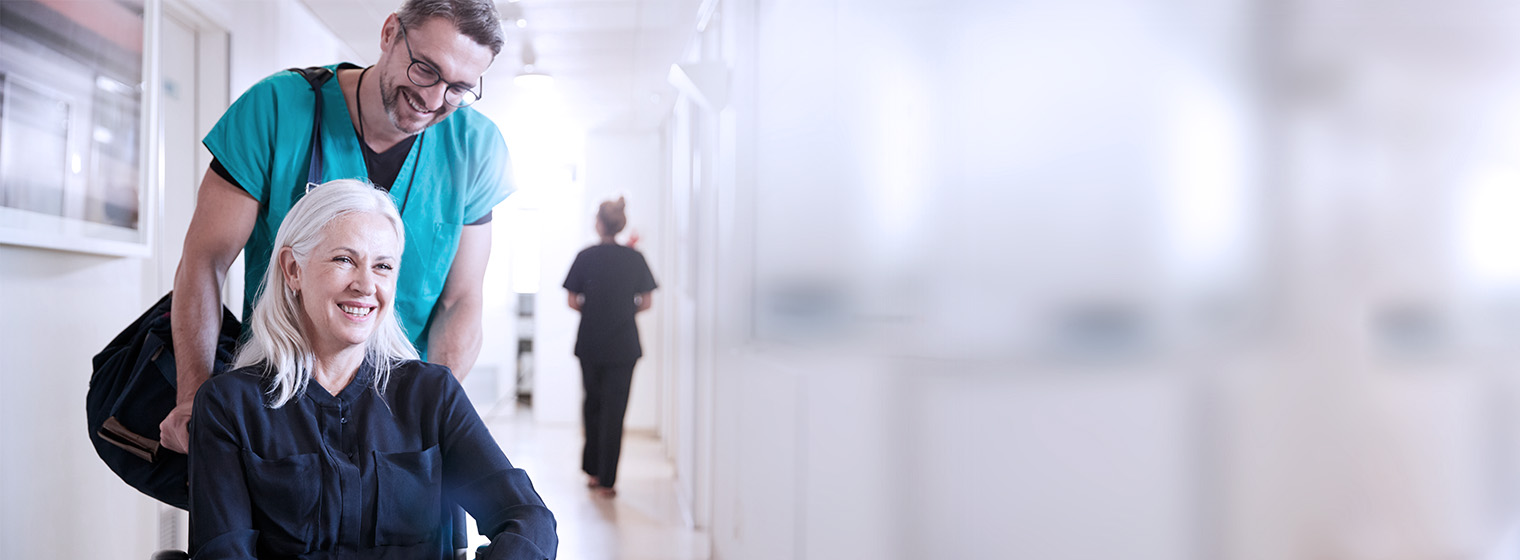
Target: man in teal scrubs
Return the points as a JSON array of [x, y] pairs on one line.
[[403, 124]]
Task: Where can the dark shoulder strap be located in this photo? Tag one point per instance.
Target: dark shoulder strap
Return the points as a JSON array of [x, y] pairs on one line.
[[316, 76]]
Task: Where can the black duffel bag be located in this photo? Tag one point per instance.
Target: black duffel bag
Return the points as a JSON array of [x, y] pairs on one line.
[[132, 391]]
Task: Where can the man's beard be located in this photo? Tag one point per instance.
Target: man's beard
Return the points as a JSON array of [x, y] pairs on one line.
[[390, 96]]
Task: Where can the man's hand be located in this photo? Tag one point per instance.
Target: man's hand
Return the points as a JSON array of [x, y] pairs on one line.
[[173, 432]]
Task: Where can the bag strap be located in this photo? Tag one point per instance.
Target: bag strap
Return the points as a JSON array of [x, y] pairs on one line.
[[316, 76]]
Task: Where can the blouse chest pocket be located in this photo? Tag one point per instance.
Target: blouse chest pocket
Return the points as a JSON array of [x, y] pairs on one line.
[[284, 493], [410, 487]]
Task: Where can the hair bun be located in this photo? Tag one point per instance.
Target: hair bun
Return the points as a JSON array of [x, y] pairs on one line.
[[611, 215]]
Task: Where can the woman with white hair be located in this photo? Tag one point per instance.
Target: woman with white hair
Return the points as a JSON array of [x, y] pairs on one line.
[[329, 438]]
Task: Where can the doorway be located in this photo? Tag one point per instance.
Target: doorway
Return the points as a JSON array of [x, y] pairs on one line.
[[193, 92]]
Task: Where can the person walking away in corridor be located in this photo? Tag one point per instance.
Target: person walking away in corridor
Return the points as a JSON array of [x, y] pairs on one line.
[[608, 285]]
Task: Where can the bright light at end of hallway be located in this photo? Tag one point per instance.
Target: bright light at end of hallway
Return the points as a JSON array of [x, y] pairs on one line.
[[546, 144], [1489, 228], [524, 235], [898, 110], [1205, 180]]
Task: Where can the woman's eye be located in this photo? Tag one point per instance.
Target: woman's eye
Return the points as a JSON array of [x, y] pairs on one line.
[[344, 260], [383, 266]]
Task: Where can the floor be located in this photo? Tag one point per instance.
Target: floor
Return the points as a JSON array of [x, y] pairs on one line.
[[643, 522]]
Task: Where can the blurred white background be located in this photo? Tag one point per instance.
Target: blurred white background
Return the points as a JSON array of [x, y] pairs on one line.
[[1034, 279]]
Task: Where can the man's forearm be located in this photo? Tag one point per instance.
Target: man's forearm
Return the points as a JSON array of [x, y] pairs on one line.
[[196, 318], [455, 339], [224, 217]]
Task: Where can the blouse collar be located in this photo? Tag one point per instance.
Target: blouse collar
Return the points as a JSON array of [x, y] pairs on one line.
[[361, 382]]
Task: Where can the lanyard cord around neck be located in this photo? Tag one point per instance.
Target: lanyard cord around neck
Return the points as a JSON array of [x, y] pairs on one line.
[[364, 149]]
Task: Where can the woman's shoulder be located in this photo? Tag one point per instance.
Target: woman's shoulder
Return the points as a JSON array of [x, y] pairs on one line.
[[245, 376], [238, 385], [420, 373], [420, 367], [610, 249], [421, 386], [630, 257]]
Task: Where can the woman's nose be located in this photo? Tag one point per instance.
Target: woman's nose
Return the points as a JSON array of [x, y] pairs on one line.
[[365, 282]]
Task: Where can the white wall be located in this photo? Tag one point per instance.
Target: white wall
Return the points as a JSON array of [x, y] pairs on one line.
[[557, 390], [269, 36], [948, 180], [1309, 219], [1379, 424], [57, 309]]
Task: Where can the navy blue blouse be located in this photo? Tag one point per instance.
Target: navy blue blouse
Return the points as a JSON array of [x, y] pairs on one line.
[[353, 475]]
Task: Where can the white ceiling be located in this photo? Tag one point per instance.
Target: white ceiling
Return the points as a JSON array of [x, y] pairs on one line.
[[609, 58]]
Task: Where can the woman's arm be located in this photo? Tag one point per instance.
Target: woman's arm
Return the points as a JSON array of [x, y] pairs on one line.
[[575, 281], [221, 524], [501, 498], [645, 286]]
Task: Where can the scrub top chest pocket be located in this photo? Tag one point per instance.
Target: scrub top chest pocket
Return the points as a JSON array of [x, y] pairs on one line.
[[430, 250]]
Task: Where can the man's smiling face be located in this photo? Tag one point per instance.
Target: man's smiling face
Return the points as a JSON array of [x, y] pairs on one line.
[[457, 59]]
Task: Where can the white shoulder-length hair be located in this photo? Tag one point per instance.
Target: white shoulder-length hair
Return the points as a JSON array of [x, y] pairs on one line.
[[275, 337]]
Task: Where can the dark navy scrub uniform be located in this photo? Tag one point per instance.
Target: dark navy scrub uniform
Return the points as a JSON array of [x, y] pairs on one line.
[[609, 276]]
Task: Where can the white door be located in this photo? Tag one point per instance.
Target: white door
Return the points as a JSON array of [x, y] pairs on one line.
[[193, 93]]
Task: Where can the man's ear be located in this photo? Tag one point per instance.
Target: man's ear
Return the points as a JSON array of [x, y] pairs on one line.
[[290, 268], [388, 31]]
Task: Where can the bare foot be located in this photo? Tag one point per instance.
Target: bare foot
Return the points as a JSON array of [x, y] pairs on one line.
[[605, 491]]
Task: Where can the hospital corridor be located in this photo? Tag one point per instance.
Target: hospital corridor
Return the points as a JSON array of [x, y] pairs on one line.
[[760, 279]]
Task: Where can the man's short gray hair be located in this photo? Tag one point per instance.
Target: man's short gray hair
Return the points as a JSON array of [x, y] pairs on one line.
[[476, 19]]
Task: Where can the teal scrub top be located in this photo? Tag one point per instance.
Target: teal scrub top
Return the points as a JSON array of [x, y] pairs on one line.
[[456, 172]]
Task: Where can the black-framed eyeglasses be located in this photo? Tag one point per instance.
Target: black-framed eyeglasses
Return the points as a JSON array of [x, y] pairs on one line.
[[424, 75]]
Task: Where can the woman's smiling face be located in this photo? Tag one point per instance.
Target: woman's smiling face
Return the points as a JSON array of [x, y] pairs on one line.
[[347, 282]]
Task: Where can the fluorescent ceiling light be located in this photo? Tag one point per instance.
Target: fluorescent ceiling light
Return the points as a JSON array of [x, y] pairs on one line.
[[530, 78], [533, 80]]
